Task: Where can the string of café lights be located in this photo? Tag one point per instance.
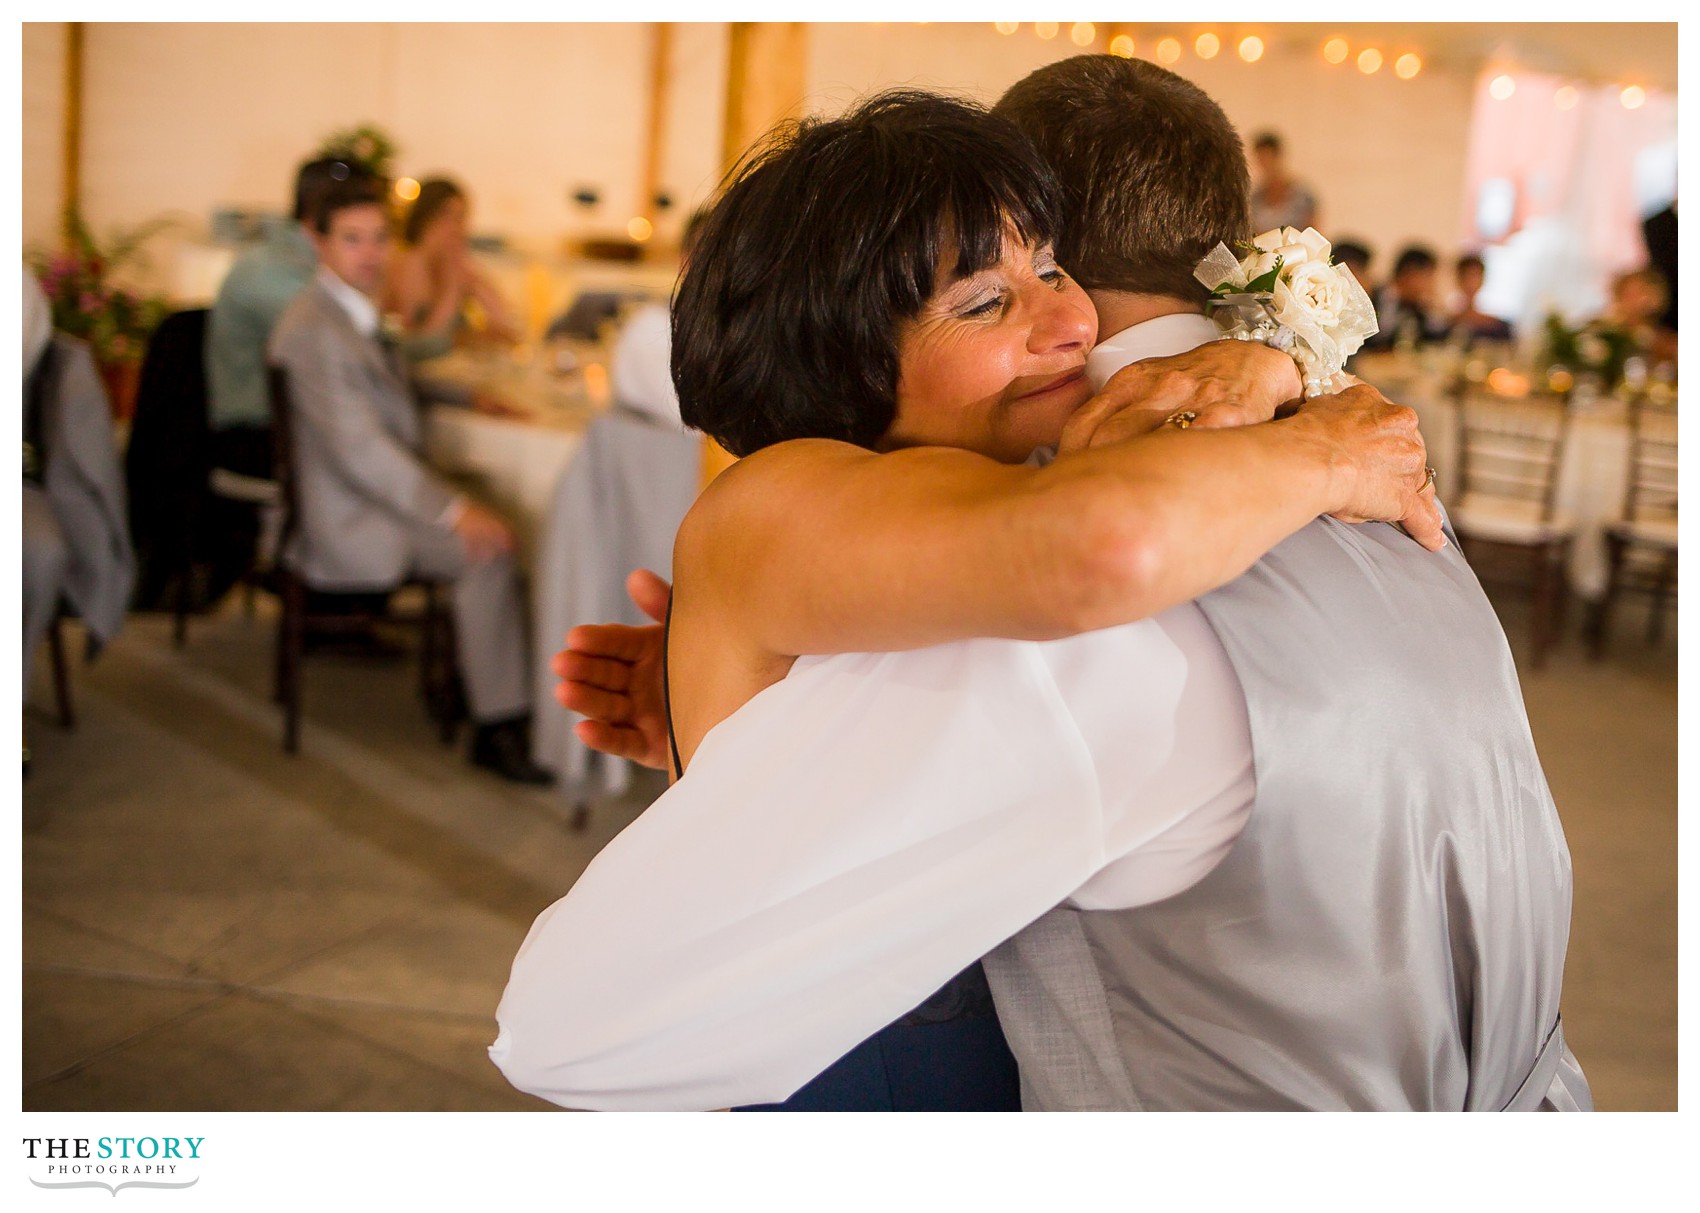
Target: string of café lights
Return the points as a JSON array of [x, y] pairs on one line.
[[1169, 50], [1369, 60]]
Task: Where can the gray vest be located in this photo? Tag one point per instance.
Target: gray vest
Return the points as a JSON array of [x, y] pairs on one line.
[[1389, 930]]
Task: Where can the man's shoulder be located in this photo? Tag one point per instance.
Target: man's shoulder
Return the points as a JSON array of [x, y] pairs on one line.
[[312, 315]]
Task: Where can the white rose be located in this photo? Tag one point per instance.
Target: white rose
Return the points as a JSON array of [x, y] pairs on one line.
[[1316, 244], [1259, 264], [1317, 291]]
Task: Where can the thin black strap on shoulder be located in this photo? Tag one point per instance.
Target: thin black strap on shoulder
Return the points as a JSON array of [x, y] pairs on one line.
[[667, 690]]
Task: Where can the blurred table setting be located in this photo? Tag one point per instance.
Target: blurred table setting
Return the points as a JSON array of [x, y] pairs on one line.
[[557, 389], [1593, 471]]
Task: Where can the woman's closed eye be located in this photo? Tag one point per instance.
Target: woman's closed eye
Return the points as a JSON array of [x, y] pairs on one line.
[[985, 307]]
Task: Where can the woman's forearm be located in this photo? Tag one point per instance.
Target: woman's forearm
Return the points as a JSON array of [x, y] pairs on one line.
[[1174, 514], [820, 547]]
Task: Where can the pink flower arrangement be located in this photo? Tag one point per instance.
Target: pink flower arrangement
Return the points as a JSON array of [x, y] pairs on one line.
[[115, 322]]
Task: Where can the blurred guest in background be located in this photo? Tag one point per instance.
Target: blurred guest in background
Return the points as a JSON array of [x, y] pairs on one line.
[[641, 363], [433, 278], [1277, 200], [75, 537], [261, 283], [1659, 231], [1406, 308], [1468, 321], [372, 511], [1638, 303], [1356, 258]]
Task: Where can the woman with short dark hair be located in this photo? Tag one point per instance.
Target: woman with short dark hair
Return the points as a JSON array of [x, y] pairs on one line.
[[874, 318]]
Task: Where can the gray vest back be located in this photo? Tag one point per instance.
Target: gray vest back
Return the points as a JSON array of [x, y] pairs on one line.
[[1389, 930]]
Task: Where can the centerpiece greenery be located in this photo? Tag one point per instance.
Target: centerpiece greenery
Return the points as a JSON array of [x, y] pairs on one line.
[[1597, 348]]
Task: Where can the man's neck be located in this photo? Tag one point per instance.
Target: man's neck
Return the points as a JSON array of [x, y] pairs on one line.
[[1118, 310]]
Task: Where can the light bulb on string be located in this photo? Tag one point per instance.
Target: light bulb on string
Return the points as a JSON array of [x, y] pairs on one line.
[[1122, 46], [1168, 50], [1251, 49], [1566, 97], [1084, 33], [1207, 45], [1006, 27], [1407, 66], [1633, 97], [1335, 50], [1369, 61], [1045, 29], [1501, 88]]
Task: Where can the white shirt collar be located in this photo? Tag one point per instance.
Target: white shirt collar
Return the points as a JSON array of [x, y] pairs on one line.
[[361, 310], [1156, 338]]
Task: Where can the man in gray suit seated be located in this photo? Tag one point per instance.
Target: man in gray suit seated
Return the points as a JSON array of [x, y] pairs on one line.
[[1288, 846], [372, 511]]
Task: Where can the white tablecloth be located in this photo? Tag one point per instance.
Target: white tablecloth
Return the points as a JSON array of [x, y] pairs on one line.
[[516, 461], [1592, 479]]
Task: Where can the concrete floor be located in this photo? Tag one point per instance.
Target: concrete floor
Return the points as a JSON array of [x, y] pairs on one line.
[[211, 925]]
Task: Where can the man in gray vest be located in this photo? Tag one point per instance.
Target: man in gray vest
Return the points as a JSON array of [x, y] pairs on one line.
[[1286, 847]]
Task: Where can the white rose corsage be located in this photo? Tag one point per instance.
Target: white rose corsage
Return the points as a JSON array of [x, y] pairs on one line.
[[1286, 292]]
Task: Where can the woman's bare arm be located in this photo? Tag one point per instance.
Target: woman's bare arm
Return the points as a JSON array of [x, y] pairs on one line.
[[421, 310], [818, 547]]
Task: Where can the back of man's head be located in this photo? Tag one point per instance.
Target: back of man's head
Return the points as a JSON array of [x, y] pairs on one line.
[[1414, 259], [313, 178], [1152, 171], [361, 190], [1353, 253]]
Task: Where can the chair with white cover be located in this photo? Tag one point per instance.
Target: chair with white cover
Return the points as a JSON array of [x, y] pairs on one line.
[[1509, 455], [1641, 548]]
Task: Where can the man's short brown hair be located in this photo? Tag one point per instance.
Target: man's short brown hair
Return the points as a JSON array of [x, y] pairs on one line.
[[1153, 173]]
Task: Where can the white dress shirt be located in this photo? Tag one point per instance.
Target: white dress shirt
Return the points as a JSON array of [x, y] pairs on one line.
[[362, 312], [863, 829]]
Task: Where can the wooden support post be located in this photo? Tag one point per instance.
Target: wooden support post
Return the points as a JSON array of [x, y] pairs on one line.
[[659, 86], [71, 184]]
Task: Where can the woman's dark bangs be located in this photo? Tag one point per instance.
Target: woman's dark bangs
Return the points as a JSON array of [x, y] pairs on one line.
[[987, 198]]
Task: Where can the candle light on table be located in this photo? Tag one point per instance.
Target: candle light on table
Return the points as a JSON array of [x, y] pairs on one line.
[[536, 301]]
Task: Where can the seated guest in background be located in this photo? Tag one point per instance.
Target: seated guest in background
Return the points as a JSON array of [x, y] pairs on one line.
[[262, 282], [1406, 308], [372, 511], [433, 277], [1278, 199], [75, 535], [640, 366], [1659, 232], [1638, 301], [1467, 320], [1356, 258]]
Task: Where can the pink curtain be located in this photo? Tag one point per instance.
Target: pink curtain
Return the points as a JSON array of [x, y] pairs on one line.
[[1574, 165]]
